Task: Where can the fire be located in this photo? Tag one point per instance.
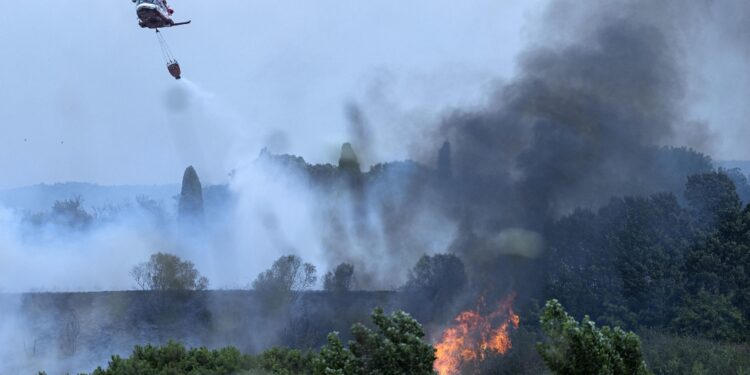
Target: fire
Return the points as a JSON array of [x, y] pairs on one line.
[[473, 336]]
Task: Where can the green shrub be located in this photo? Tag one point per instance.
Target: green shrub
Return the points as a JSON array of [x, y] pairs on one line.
[[574, 348], [397, 347], [175, 359]]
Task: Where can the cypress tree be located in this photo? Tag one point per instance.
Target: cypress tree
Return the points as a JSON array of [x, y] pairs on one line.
[[191, 196]]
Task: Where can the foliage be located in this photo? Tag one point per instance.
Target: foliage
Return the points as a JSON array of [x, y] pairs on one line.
[[648, 238], [173, 358], [285, 361], [740, 182], [712, 198], [709, 315], [277, 286], [340, 279], [717, 283], [335, 359], [68, 213], [167, 272], [397, 347], [677, 355], [287, 273], [582, 348], [622, 263], [647, 262], [440, 277], [673, 164]]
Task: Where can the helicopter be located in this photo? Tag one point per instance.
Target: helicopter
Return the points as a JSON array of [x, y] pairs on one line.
[[156, 14]]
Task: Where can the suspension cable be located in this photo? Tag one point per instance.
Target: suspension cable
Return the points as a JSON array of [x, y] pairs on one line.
[[165, 48]]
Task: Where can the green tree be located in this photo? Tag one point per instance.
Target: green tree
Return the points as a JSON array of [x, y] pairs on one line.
[[712, 198], [167, 272], [397, 347], [335, 359], [580, 269], [718, 266], [440, 277], [573, 348], [650, 239], [711, 316], [340, 279], [622, 264], [288, 275]]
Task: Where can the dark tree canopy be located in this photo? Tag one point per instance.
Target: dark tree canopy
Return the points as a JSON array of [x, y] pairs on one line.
[[717, 279], [340, 279], [650, 262], [440, 277], [712, 198]]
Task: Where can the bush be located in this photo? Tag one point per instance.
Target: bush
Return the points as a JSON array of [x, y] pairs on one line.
[[173, 358], [574, 348], [285, 361]]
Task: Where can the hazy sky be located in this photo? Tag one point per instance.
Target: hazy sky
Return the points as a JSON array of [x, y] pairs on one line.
[[85, 95]]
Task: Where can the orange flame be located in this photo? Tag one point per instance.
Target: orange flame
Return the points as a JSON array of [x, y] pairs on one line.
[[474, 336]]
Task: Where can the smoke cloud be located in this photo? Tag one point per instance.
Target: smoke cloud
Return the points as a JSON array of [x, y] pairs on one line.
[[582, 120]]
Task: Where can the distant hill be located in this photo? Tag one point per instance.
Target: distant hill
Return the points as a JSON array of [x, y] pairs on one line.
[[41, 197]]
